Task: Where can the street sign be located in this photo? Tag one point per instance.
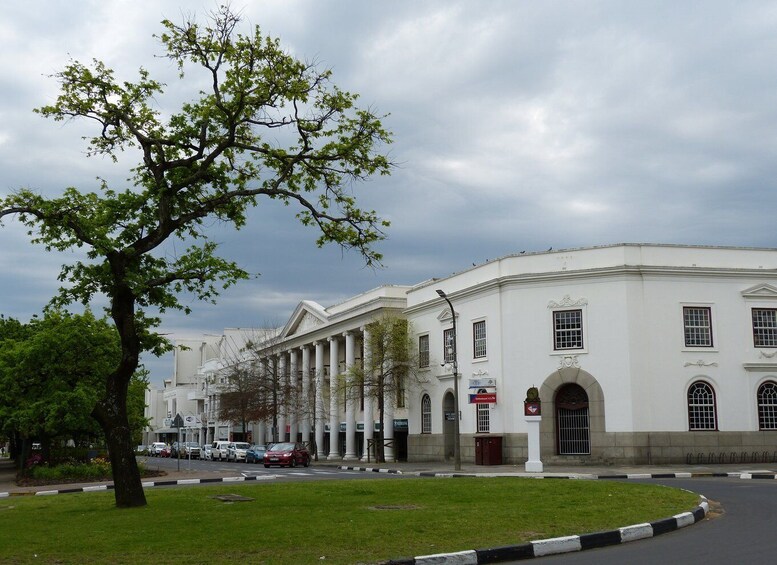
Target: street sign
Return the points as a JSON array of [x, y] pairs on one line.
[[177, 421], [487, 382], [483, 398]]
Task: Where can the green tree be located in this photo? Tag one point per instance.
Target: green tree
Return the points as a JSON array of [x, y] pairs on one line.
[[269, 126], [51, 376]]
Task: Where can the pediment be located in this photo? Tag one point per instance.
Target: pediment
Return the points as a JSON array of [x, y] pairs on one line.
[[307, 316], [763, 291], [445, 315]]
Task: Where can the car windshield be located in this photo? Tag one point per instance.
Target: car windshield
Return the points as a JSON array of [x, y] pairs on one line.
[[242, 446], [283, 447]]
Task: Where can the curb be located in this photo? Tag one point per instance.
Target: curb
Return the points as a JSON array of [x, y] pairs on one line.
[[566, 544]]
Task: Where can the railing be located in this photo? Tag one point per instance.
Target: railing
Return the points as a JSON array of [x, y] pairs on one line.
[[372, 447], [731, 457]]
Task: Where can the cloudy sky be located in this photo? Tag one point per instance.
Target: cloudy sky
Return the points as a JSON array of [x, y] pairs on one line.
[[518, 125]]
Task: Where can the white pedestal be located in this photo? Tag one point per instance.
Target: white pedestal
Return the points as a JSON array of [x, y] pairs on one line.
[[533, 464]]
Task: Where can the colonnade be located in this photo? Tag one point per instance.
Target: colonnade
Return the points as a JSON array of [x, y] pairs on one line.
[[333, 407]]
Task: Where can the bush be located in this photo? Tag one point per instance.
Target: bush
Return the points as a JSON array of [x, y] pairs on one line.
[[97, 469]]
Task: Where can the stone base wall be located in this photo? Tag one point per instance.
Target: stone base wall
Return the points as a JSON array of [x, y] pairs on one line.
[[619, 448]]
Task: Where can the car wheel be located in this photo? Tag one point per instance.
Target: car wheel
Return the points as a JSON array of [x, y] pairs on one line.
[[293, 462], [266, 466], [307, 462]]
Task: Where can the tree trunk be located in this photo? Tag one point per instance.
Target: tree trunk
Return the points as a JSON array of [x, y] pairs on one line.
[[128, 488]]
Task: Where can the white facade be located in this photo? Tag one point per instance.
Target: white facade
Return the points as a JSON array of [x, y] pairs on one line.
[[641, 354], [633, 363]]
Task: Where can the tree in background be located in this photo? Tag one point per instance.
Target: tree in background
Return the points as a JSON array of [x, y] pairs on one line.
[[389, 367], [51, 377], [269, 127]]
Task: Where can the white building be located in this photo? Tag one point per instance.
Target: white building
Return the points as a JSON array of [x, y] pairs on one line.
[[641, 354]]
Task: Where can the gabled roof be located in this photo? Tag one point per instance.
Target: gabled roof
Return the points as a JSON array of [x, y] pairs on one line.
[[762, 291], [306, 315]]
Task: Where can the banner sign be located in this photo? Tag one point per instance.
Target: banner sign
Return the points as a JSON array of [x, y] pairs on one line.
[[483, 398]]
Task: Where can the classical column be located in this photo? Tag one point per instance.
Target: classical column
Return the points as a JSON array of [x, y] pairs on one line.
[[350, 398], [388, 412], [293, 401], [369, 426], [304, 413], [283, 377], [320, 412], [334, 416]]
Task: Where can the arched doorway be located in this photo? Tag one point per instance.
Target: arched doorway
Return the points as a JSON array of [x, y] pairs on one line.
[[573, 430], [448, 424]]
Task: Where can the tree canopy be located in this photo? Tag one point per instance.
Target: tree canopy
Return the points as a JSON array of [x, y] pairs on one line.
[[268, 126]]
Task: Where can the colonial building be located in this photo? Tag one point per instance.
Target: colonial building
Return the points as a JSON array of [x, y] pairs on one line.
[[641, 354]]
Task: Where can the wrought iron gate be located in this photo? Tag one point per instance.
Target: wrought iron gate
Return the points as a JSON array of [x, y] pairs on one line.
[[572, 422]]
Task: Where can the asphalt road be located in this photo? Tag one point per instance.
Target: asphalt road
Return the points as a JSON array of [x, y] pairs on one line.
[[743, 533]]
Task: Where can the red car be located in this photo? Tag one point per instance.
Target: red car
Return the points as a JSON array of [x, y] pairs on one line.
[[287, 455], [165, 451]]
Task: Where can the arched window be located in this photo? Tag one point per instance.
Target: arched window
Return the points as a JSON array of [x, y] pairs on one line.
[[426, 414], [767, 406], [701, 407]]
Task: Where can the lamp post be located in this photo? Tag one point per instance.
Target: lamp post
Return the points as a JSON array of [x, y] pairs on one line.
[[456, 434]]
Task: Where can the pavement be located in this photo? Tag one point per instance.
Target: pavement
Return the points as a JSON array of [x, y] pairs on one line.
[[535, 548]]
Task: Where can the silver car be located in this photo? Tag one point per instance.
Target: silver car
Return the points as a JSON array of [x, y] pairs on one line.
[[236, 451]]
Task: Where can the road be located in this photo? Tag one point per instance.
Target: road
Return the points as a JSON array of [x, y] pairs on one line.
[[743, 533]]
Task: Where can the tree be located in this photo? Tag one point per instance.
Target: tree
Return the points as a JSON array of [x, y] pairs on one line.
[[389, 368], [50, 378], [211, 160]]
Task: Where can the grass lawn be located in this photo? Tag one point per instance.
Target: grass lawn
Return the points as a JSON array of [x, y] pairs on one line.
[[329, 522]]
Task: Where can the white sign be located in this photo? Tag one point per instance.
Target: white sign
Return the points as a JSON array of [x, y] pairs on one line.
[[487, 382], [191, 421]]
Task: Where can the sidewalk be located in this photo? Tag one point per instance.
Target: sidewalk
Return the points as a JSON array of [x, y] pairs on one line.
[[744, 471]]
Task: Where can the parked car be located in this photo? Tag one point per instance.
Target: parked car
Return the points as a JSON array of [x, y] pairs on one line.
[[191, 450], [236, 451], [255, 454], [219, 450], [207, 453], [155, 448], [166, 451], [287, 455]]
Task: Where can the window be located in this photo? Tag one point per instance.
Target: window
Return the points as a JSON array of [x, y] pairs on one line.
[[400, 391], [701, 407], [568, 329], [423, 350], [484, 418], [448, 345], [479, 339], [767, 406], [426, 414], [697, 322], [765, 327]]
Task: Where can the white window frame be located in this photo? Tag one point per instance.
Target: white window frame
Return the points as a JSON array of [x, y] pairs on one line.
[[712, 328], [555, 333], [448, 352], [697, 332], [483, 417], [424, 357], [767, 405], [426, 414], [773, 341], [483, 341], [700, 412]]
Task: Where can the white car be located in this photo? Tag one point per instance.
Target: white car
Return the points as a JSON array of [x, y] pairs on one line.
[[218, 450], [236, 451], [155, 448]]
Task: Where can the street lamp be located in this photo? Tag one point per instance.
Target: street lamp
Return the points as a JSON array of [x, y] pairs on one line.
[[456, 436]]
